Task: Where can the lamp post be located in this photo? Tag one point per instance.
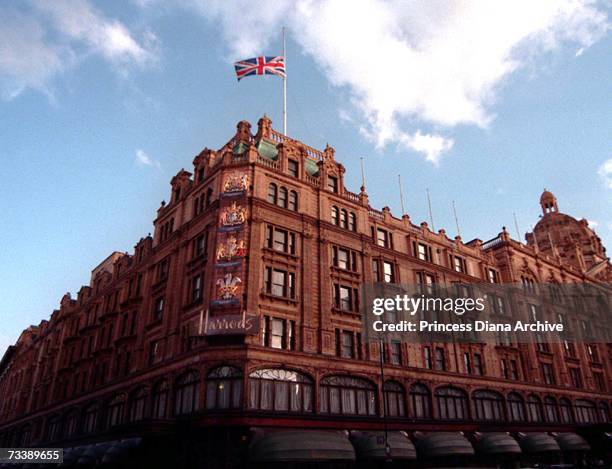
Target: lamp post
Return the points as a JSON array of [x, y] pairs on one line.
[[384, 396]]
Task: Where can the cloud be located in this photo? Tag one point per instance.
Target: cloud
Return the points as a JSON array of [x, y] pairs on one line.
[[145, 160], [605, 171], [593, 224], [39, 43], [410, 65]]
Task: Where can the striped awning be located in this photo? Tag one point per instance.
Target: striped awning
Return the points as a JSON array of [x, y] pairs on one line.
[[371, 445], [443, 444], [496, 443], [538, 443], [572, 442]]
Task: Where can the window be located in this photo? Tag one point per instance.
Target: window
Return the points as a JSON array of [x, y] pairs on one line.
[[280, 240], [196, 288], [492, 276], [452, 403], [604, 414], [187, 393], [200, 245], [489, 406], [389, 272], [459, 264], [514, 373], [600, 384], [114, 411], [423, 252], [347, 395], [352, 222], [343, 218], [550, 409], [293, 201], [565, 408], [335, 215], [396, 352], [467, 363], [279, 333], [280, 390], [548, 373], [224, 388], [137, 404], [332, 184], [344, 258], [395, 399], [375, 270], [420, 401], [382, 238], [516, 407], [160, 400], [427, 361], [280, 283], [282, 197], [90, 418], [54, 428], [498, 304], [293, 167], [158, 310], [345, 346], [346, 298], [593, 352], [162, 269], [534, 409], [426, 283], [155, 354], [440, 359], [272, 193], [71, 426], [586, 411], [575, 377]]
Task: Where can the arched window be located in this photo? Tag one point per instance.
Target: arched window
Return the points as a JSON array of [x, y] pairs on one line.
[[489, 405], [114, 411], [352, 222], [586, 412], [534, 409], [348, 396], [137, 404], [90, 418], [452, 403], [604, 414], [551, 411], [71, 424], [272, 193], [224, 388], [187, 392], [420, 401], [565, 407], [395, 399], [282, 197], [335, 215], [293, 201], [280, 390], [343, 218], [159, 401], [516, 407]]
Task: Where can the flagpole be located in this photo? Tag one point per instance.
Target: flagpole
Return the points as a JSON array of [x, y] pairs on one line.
[[284, 87]]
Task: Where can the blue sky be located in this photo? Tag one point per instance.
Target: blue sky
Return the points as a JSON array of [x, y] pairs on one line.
[[101, 103]]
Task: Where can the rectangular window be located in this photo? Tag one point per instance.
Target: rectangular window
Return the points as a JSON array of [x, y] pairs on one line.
[[427, 358], [277, 333], [492, 276], [162, 269], [158, 311], [347, 347], [280, 283], [196, 288], [396, 352], [293, 168], [547, 373], [389, 272], [570, 349], [423, 252], [514, 373], [342, 259], [382, 238], [600, 384], [375, 271], [467, 363], [440, 359], [199, 245], [593, 353], [459, 264], [280, 240], [154, 352], [345, 298], [575, 377], [478, 368], [504, 368], [426, 283], [332, 184]]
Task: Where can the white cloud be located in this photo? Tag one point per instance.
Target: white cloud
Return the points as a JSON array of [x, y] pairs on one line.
[[605, 171], [39, 43], [418, 63], [593, 224], [144, 159]]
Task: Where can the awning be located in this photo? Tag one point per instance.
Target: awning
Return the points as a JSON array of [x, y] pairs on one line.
[[497, 443], [371, 445], [300, 445], [538, 443], [92, 454], [572, 442], [437, 445]]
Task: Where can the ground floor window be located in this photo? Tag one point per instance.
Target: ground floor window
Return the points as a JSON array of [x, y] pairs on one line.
[[347, 395], [280, 390]]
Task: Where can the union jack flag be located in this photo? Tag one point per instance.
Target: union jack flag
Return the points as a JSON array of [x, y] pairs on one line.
[[265, 65]]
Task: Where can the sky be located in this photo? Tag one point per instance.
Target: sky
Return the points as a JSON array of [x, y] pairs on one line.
[[482, 103]]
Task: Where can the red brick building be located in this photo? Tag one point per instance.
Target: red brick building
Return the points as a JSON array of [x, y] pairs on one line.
[[241, 315]]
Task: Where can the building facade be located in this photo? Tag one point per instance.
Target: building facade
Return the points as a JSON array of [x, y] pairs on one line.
[[242, 314]]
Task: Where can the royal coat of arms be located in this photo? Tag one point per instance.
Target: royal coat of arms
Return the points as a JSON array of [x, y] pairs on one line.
[[236, 183], [228, 286], [231, 249], [233, 215]]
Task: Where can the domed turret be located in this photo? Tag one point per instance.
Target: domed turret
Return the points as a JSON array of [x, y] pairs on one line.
[[548, 202]]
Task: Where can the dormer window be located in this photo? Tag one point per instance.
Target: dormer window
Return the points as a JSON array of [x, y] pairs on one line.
[[293, 168], [332, 184]]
